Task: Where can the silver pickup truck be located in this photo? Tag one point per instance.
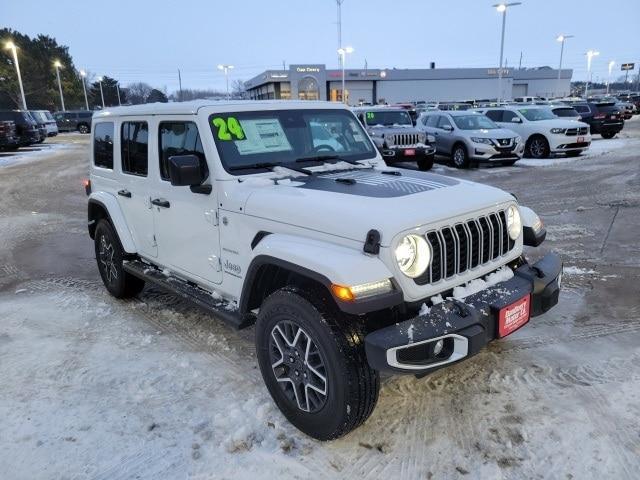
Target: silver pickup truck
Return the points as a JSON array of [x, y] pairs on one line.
[[395, 136]]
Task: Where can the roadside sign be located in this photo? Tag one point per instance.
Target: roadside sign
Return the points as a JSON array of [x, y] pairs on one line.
[[627, 66]]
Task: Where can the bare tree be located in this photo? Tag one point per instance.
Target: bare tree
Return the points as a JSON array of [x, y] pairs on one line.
[[138, 93]]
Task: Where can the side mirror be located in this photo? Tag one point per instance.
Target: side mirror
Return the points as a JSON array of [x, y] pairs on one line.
[[516, 120], [448, 128], [184, 171]]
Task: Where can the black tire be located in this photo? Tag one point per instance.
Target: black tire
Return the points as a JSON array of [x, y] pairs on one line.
[[574, 153], [459, 156], [109, 256], [351, 387], [425, 163], [537, 147], [608, 135], [83, 128]]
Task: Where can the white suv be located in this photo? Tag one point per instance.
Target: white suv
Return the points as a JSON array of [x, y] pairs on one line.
[[542, 131], [342, 263]]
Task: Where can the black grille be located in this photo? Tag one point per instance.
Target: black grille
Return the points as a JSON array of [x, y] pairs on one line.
[[466, 245], [504, 141]]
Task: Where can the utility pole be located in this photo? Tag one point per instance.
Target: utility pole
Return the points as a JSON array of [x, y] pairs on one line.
[[520, 62], [12, 46], [83, 74], [339, 5], [58, 66], [284, 65], [118, 92], [179, 86]]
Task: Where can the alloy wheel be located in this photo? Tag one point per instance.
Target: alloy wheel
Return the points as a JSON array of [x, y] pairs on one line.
[[537, 148], [458, 157], [105, 254], [298, 366]]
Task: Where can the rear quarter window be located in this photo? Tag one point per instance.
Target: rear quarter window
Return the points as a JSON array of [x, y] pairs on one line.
[[103, 145]]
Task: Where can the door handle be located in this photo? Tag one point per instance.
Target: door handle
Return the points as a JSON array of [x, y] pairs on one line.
[[124, 193], [160, 202]]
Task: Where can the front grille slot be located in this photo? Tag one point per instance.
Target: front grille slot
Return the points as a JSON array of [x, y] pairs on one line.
[[467, 245]]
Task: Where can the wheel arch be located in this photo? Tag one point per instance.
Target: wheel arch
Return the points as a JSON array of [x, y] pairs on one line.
[[105, 206], [287, 260]]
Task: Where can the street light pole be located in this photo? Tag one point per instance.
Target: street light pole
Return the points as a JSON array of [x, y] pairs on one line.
[[502, 8], [611, 64], [342, 51], [84, 88], [226, 69], [590, 55], [101, 92], [118, 92], [58, 65], [12, 46], [561, 39]]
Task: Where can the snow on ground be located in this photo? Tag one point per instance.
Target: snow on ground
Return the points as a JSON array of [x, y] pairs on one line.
[[32, 153]]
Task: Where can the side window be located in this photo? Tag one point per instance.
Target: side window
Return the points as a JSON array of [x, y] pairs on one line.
[[582, 108], [508, 115], [432, 121], [495, 115], [103, 145], [134, 149], [443, 121], [180, 138]]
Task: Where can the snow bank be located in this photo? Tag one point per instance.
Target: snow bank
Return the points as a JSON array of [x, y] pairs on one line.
[[577, 271]]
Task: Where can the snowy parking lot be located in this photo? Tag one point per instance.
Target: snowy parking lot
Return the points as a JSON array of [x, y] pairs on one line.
[[151, 388]]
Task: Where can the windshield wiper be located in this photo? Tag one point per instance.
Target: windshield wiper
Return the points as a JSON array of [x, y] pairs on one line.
[[270, 166], [326, 158]]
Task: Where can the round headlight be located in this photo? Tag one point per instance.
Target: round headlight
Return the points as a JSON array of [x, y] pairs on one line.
[[514, 223], [413, 255]]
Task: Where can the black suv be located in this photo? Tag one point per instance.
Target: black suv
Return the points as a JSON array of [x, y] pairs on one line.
[[26, 127], [74, 120], [603, 118]]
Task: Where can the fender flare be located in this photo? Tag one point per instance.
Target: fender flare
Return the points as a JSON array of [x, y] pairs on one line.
[[325, 263], [110, 205]]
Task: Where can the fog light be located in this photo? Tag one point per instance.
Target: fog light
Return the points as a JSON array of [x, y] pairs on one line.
[[437, 347]]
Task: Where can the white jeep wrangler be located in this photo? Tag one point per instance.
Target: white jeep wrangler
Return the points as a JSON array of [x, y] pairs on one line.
[[341, 262]]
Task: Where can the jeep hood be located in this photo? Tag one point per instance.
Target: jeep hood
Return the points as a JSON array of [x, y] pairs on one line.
[[350, 203]]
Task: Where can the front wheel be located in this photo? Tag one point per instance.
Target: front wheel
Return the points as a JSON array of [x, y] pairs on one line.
[[425, 163], [313, 363], [460, 157], [538, 147], [109, 255], [608, 135]]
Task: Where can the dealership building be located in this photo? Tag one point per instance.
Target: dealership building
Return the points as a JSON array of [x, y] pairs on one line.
[[316, 82]]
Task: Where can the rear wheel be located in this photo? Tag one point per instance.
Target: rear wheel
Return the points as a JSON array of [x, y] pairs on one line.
[[538, 147], [313, 363], [425, 163], [459, 156], [608, 135], [83, 128], [109, 255]]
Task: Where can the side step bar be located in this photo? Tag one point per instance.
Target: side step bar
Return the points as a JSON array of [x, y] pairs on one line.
[[196, 295]]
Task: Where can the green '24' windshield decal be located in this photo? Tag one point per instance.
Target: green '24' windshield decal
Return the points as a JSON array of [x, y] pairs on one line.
[[228, 129]]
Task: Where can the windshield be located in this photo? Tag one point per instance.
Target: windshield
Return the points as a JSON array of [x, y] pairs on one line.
[[474, 122], [536, 114], [388, 118], [276, 137]]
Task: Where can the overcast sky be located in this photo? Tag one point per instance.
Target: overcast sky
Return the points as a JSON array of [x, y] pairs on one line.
[[148, 41]]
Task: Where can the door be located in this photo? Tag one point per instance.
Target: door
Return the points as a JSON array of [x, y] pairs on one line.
[[512, 121], [186, 222], [133, 192], [444, 138]]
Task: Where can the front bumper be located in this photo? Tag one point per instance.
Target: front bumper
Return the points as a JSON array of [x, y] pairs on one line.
[[466, 327], [488, 153], [607, 126], [399, 154], [567, 143]]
